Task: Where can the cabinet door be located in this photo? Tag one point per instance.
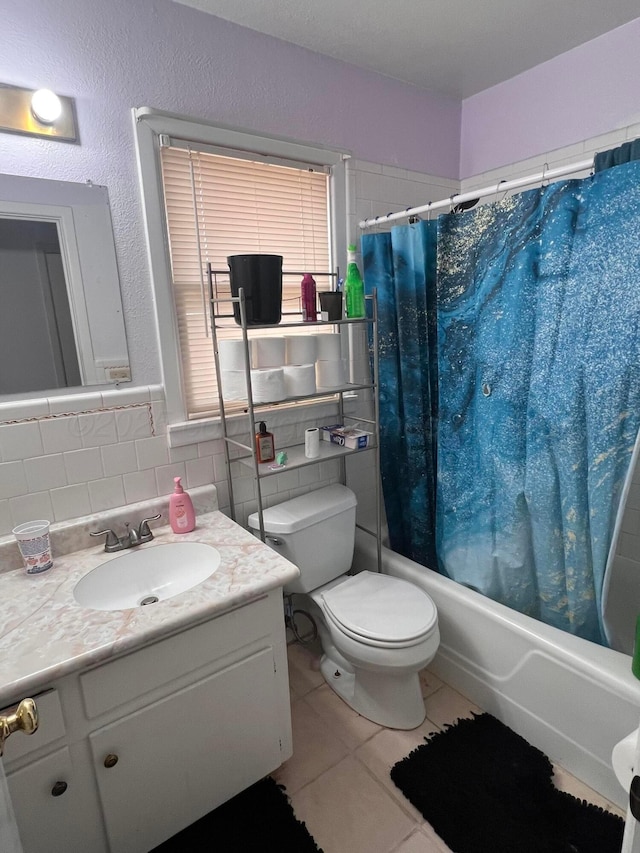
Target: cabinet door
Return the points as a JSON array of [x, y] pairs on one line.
[[186, 754], [54, 808]]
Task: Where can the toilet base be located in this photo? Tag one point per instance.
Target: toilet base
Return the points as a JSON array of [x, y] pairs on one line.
[[392, 701]]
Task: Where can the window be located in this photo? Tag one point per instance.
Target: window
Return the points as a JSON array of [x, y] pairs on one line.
[[221, 203], [162, 135]]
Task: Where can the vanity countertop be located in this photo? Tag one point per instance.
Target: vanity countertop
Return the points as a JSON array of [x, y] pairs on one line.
[[46, 634]]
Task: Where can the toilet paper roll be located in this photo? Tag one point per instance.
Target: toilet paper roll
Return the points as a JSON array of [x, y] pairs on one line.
[[330, 374], [267, 352], [234, 384], [299, 379], [623, 759], [231, 355], [312, 443], [328, 347], [267, 385], [300, 349]]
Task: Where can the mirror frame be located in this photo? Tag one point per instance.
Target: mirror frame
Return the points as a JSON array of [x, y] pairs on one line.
[[82, 216]]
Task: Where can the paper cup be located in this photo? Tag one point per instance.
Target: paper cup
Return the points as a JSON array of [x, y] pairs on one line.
[[34, 544]]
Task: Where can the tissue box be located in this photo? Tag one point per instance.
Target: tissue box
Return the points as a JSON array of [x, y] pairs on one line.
[[354, 439], [325, 431]]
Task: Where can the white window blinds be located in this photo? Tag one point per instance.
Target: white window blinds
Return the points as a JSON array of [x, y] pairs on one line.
[[219, 205]]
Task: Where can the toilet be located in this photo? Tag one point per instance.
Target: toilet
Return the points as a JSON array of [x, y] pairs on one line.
[[377, 631]]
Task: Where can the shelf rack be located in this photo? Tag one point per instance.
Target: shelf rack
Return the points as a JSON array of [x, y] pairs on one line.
[[295, 453]]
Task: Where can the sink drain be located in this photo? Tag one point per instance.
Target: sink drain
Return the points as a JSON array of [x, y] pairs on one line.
[[150, 599]]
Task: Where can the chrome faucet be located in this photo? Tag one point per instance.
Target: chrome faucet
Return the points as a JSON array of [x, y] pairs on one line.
[[132, 537]]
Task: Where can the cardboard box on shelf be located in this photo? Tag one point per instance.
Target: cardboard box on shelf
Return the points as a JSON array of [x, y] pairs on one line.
[[354, 439], [325, 431]]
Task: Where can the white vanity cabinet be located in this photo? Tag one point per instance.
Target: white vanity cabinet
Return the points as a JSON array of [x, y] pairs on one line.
[[47, 779], [153, 740]]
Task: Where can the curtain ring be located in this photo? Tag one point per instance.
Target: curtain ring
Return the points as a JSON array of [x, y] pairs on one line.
[[429, 203], [544, 169], [451, 198], [498, 185]]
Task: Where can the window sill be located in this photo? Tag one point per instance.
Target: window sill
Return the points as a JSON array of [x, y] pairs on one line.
[[208, 429]]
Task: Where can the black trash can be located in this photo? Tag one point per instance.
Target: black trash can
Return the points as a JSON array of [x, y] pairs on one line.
[[261, 278]]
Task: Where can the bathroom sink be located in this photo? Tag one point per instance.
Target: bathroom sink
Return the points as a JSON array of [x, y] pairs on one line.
[[146, 575]]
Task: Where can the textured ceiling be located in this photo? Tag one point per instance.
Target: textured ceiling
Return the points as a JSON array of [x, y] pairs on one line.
[[454, 47]]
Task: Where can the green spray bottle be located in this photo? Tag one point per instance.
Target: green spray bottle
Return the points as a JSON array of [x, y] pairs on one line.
[[354, 287]]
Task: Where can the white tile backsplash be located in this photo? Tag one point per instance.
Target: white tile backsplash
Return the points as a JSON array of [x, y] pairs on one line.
[[182, 454], [83, 465], [13, 480], [5, 517], [152, 452], [133, 423], [140, 486], [76, 403], [97, 429], [126, 396], [24, 409], [29, 507], [288, 480], [119, 458], [70, 502], [60, 434], [165, 475], [199, 472], [45, 472], [107, 493], [19, 441]]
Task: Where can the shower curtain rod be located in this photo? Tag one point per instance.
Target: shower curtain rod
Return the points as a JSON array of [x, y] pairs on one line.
[[501, 186]]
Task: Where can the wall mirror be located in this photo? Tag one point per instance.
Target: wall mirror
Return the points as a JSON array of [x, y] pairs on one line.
[[61, 321]]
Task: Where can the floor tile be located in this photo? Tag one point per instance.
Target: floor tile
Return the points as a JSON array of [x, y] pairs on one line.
[[315, 748], [304, 670], [385, 749], [429, 682], [346, 723], [446, 705], [564, 781], [424, 840], [347, 811]]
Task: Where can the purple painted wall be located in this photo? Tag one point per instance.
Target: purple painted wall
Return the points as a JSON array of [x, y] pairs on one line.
[[117, 54], [585, 92]]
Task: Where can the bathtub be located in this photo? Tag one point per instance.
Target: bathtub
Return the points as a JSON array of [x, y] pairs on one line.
[[571, 698]]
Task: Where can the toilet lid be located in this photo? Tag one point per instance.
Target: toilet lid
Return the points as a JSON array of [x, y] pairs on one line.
[[381, 608]]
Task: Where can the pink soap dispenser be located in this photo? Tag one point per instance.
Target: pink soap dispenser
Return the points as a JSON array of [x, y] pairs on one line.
[[182, 517]]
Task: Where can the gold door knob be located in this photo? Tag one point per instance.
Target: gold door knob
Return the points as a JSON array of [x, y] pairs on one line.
[[110, 760], [24, 719]]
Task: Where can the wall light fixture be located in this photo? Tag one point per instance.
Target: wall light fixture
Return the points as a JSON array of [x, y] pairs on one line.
[[37, 113]]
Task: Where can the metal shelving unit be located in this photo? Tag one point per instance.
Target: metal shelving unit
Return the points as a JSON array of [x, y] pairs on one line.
[[295, 453]]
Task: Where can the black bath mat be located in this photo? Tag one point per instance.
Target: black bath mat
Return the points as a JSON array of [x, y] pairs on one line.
[[258, 820], [484, 789]]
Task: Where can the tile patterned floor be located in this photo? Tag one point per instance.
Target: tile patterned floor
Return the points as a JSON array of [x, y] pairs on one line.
[[338, 778]]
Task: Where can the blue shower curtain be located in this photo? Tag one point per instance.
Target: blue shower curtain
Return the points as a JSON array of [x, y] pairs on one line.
[[534, 378], [404, 262]]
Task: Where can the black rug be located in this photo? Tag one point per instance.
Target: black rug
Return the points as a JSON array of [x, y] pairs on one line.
[[258, 820], [484, 789]]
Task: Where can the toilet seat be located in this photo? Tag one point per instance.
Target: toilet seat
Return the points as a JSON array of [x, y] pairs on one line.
[[379, 610]]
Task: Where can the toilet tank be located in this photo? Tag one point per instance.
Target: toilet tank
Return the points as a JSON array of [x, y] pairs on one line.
[[315, 531]]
